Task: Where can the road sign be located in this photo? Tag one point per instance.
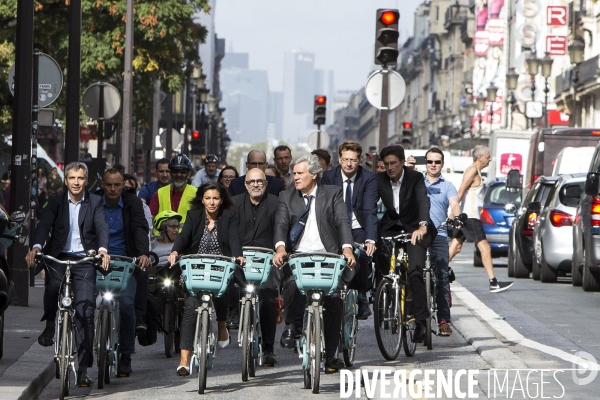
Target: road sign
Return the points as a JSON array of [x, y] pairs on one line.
[[50, 80], [397, 89], [313, 140], [111, 103]]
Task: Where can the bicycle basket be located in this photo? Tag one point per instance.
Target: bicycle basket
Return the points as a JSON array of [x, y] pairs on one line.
[[319, 271], [206, 273], [258, 264], [116, 280]]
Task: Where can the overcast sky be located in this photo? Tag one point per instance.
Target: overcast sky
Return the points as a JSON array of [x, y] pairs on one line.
[[341, 33]]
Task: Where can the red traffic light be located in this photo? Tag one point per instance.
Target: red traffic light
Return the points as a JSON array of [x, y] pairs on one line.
[[407, 125], [389, 17], [195, 135], [320, 99]]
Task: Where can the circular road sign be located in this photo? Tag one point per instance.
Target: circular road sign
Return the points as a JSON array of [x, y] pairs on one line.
[[396, 89], [313, 137], [50, 80], [111, 103]]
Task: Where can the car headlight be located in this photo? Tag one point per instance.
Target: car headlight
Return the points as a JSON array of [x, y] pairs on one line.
[[66, 301], [108, 296], [167, 282]]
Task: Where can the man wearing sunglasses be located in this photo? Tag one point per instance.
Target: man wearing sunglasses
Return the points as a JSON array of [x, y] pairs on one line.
[[442, 194]]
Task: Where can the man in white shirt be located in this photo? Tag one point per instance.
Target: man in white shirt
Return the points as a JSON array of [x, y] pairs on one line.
[[309, 202]]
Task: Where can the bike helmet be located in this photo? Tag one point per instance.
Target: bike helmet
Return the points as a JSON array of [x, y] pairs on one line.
[[211, 158], [165, 216], [180, 161]]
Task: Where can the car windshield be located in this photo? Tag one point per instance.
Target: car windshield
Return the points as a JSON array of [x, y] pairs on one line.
[[497, 195]]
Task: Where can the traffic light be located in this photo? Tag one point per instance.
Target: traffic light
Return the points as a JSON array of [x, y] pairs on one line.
[[386, 36], [320, 108], [407, 135], [196, 143]]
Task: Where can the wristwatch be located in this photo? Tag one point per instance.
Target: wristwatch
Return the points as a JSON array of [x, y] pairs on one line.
[[423, 223]]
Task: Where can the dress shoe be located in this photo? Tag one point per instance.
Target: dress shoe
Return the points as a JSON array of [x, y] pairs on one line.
[[333, 365], [419, 334], [124, 367], [445, 329], [364, 312], [183, 370], [269, 359], [83, 380], [224, 343], [288, 337], [233, 319], [46, 339], [140, 326]]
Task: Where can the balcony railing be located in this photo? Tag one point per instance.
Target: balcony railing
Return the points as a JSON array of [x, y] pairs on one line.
[[587, 70], [455, 15], [467, 29]]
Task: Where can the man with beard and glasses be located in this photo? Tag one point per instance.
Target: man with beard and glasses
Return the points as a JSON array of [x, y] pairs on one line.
[[176, 196]]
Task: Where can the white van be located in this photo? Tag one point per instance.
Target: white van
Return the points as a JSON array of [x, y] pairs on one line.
[[44, 159], [573, 160]]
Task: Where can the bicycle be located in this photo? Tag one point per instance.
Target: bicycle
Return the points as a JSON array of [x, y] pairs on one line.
[[316, 275], [108, 288], [165, 285], [430, 278], [256, 270], [65, 351], [394, 323], [205, 276]]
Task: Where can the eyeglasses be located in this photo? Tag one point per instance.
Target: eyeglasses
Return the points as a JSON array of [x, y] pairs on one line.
[[436, 162], [179, 171], [174, 226], [349, 160], [258, 182], [256, 164], [228, 177]]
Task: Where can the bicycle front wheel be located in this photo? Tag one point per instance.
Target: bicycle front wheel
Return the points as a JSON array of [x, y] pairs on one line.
[[65, 350], [103, 346], [350, 329], [246, 337], [430, 302], [409, 322], [169, 326], [203, 352], [386, 319], [315, 349]]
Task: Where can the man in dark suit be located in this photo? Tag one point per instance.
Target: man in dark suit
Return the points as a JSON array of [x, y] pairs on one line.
[[256, 159], [404, 195], [255, 212], [71, 224], [326, 229], [360, 196]]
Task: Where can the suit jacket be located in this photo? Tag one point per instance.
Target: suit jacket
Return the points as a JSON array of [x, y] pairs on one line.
[[364, 197], [259, 232], [55, 223], [238, 186], [332, 217], [188, 240], [136, 226], [414, 204]]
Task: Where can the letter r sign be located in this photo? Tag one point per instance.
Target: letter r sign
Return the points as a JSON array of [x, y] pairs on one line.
[[556, 16]]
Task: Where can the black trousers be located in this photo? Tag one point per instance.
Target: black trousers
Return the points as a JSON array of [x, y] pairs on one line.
[[141, 293], [83, 283], [332, 312]]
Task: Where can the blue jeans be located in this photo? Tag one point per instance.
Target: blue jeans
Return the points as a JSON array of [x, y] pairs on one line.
[[439, 256], [127, 309]]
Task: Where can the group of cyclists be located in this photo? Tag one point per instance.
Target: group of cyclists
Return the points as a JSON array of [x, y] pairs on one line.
[[298, 205]]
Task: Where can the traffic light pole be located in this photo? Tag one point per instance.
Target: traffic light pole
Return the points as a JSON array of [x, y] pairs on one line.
[[318, 136], [383, 114]]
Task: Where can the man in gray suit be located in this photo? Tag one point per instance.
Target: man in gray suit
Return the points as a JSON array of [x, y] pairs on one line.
[[326, 229]]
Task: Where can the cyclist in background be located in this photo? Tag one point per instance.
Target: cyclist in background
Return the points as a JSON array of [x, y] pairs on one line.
[[167, 224], [163, 178], [210, 172]]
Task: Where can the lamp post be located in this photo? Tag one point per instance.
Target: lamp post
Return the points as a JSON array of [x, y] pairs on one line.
[[512, 80], [576, 50], [533, 66], [492, 91], [480, 108], [471, 109], [546, 64]]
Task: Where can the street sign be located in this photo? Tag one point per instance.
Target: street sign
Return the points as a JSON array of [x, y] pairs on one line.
[[111, 103], [50, 80], [397, 89], [313, 139]]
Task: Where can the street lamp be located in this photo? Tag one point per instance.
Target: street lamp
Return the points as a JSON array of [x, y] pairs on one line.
[[576, 50], [512, 80], [492, 91], [546, 64], [480, 107]]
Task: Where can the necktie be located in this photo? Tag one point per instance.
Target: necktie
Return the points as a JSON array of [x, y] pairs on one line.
[[348, 200], [297, 229]]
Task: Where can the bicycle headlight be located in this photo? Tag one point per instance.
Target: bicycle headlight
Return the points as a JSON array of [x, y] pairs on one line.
[[316, 296], [108, 296], [205, 298], [250, 288], [66, 301], [167, 282]]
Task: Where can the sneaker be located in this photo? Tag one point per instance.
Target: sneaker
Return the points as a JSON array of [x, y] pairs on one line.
[[445, 329], [269, 359], [124, 367], [498, 287]]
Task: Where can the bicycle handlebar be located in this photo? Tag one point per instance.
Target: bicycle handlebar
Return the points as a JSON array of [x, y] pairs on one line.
[[215, 256], [402, 238], [94, 260]]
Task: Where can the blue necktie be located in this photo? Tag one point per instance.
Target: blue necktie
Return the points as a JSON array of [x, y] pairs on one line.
[[348, 200], [297, 229]]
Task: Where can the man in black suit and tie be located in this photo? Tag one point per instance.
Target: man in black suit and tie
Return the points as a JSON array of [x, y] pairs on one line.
[[404, 195], [326, 229], [71, 224], [255, 212], [256, 159], [360, 196]]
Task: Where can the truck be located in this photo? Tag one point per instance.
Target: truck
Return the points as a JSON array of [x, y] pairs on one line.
[[509, 150]]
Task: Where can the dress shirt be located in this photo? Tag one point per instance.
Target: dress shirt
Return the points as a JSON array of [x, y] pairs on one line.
[[396, 191], [74, 244], [354, 223], [310, 242], [114, 219]]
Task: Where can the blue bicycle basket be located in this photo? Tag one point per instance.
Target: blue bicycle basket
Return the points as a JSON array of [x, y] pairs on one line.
[[116, 280], [318, 271], [203, 273], [258, 264]]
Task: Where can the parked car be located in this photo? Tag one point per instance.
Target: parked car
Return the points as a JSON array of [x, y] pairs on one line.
[[520, 236], [553, 232], [585, 268], [495, 219]]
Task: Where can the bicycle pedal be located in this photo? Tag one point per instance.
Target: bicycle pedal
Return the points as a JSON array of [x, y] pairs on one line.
[[122, 375]]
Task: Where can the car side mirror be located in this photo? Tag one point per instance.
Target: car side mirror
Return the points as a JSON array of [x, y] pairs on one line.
[[510, 208], [572, 191], [592, 183], [514, 181]]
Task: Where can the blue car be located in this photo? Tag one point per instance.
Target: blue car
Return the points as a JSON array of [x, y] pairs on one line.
[[495, 220]]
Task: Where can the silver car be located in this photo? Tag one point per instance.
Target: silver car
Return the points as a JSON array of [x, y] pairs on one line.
[[553, 232]]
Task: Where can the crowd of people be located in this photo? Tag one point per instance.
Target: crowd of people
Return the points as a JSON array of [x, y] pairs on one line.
[[297, 204]]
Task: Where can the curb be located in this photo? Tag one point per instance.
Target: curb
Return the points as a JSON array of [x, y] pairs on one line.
[[27, 378]]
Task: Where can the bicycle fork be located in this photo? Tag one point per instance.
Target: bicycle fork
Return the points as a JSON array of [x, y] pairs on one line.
[[65, 304], [205, 304]]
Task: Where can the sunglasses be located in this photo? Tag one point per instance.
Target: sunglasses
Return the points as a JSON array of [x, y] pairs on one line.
[[436, 162]]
